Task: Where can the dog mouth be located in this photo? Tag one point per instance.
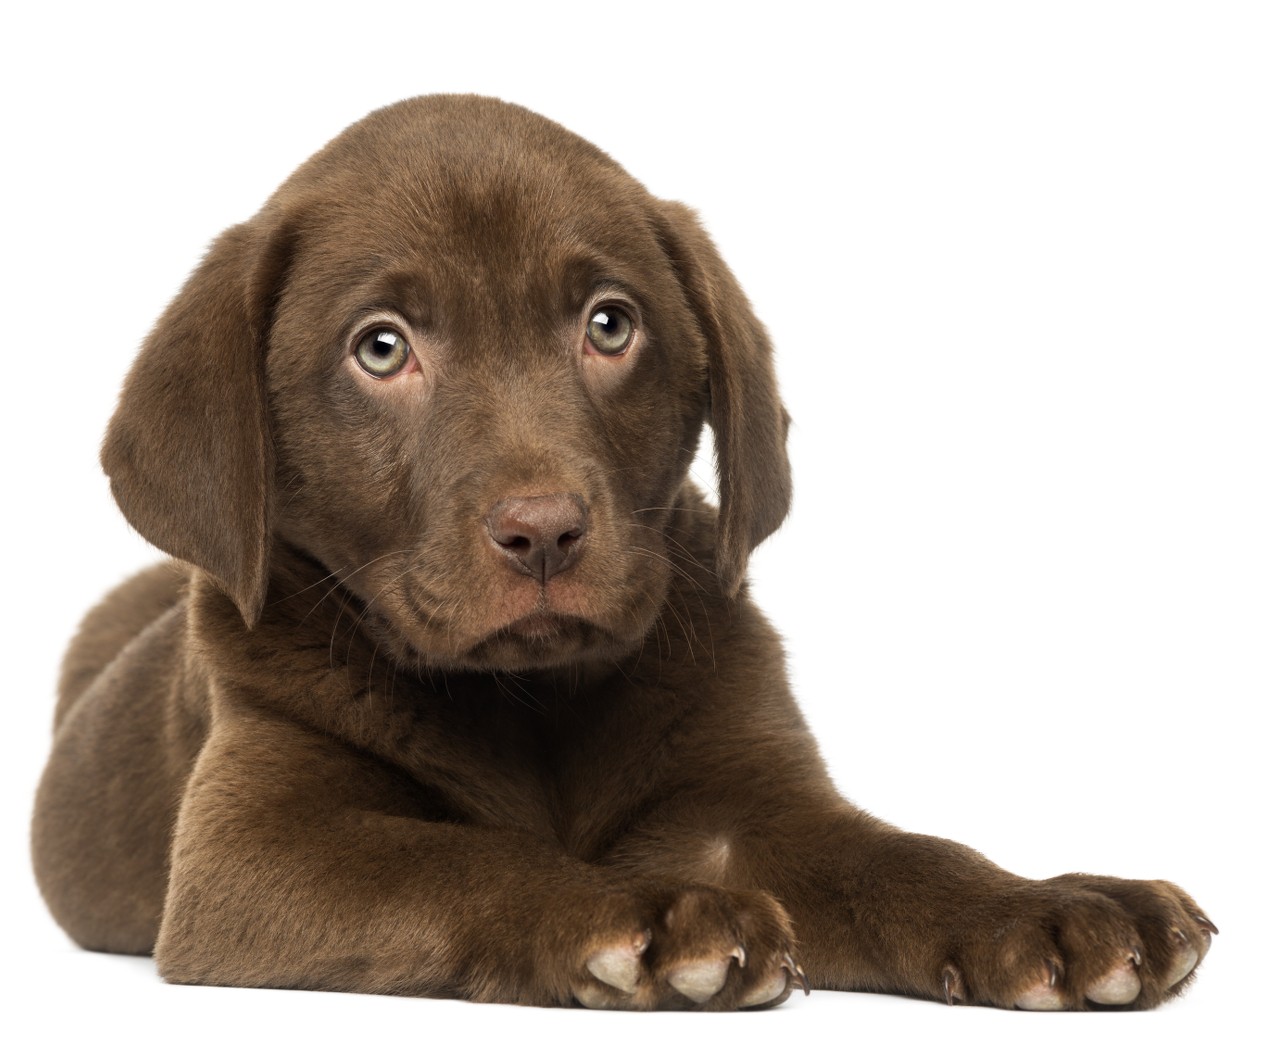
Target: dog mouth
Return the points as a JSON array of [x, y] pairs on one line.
[[542, 634], [518, 627], [540, 626]]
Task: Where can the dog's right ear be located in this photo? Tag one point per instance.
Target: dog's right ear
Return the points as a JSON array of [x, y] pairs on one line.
[[188, 451]]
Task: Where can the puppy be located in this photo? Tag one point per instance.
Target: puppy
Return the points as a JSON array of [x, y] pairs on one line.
[[458, 690]]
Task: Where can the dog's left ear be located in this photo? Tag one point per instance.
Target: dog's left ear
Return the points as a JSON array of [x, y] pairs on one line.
[[747, 417], [188, 451]]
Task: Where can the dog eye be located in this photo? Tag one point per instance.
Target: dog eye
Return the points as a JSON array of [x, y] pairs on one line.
[[382, 352], [609, 330]]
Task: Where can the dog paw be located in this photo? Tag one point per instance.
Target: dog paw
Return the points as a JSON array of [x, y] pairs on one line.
[[697, 948], [1079, 942]]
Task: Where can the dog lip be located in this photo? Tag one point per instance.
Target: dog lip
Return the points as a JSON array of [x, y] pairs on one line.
[[540, 624]]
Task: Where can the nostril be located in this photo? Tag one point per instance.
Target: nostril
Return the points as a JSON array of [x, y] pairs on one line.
[[540, 535]]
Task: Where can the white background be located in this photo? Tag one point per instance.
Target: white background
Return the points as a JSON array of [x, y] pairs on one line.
[[1012, 256]]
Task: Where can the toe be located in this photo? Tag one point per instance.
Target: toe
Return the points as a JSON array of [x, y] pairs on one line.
[[1184, 959], [701, 980], [1040, 998], [1045, 994], [598, 998], [620, 965], [1122, 985], [774, 988]]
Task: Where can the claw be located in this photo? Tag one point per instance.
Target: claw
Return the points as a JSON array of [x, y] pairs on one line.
[[1053, 973], [1136, 955], [795, 973], [954, 989], [739, 954], [1206, 924]]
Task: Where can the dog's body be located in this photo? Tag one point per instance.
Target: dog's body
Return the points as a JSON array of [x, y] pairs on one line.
[[460, 692]]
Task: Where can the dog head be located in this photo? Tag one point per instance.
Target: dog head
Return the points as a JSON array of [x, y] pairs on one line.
[[462, 360]]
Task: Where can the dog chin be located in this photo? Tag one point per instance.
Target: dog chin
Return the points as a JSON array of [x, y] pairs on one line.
[[542, 640], [537, 641]]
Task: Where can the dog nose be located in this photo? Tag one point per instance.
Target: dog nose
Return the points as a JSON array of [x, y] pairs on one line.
[[542, 535]]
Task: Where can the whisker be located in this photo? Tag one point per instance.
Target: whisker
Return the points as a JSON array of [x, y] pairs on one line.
[[694, 587], [343, 579]]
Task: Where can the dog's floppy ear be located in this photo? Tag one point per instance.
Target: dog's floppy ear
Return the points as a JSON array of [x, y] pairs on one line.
[[188, 451], [747, 417]]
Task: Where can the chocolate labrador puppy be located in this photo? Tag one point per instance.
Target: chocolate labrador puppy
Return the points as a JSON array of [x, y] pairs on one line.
[[458, 690]]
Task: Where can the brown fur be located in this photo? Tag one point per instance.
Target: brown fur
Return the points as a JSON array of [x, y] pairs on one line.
[[347, 746]]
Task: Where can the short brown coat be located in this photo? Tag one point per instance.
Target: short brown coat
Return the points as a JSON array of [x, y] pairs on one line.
[[344, 745]]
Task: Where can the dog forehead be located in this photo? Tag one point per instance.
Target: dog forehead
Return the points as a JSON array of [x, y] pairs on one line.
[[426, 130], [485, 194], [468, 162]]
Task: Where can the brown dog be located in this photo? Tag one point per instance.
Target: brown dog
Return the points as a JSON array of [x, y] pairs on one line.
[[461, 692]]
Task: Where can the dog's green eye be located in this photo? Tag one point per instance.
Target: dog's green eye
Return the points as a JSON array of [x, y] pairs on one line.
[[382, 352], [609, 330]]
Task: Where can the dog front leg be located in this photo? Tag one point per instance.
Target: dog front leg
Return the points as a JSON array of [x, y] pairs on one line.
[[876, 908], [298, 862]]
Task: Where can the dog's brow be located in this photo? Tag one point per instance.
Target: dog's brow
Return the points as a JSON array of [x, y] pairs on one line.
[[594, 275], [405, 293]]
